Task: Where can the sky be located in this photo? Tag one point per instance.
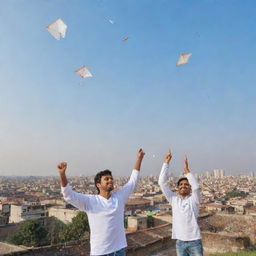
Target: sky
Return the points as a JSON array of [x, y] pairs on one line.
[[137, 97]]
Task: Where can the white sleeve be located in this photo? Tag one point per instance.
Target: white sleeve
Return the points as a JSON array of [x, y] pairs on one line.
[[162, 181], [78, 200], [130, 186], [195, 187]]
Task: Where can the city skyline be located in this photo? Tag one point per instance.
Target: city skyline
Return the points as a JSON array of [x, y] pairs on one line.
[[137, 96]]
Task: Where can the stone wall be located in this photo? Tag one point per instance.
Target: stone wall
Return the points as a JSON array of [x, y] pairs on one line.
[[230, 225], [218, 243]]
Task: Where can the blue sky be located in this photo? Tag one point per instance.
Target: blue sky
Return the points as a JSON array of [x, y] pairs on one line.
[[137, 96]]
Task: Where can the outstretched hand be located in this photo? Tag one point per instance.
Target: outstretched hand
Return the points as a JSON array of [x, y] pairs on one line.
[[185, 165]]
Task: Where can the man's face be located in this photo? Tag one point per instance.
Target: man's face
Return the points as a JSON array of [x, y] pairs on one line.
[[184, 188], [106, 183]]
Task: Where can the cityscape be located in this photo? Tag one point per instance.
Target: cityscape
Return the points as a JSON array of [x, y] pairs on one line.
[[99, 84], [228, 208]]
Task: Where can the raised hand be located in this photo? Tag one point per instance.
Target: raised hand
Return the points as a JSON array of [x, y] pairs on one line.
[[168, 157], [185, 165], [62, 167], [140, 154]]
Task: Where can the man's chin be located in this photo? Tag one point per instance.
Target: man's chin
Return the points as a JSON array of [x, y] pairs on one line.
[[183, 193]]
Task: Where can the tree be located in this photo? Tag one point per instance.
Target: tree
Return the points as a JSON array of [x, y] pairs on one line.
[[77, 229], [30, 233], [55, 230], [235, 193]]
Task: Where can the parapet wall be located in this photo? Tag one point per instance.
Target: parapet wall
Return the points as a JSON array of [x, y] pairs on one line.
[[218, 243], [145, 242], [7, 230]]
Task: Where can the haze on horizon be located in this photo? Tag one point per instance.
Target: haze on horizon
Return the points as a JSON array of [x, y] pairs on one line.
[[137, 96]]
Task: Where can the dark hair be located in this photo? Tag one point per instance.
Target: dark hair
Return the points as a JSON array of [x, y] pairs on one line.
[[181, 179], [97, 178]]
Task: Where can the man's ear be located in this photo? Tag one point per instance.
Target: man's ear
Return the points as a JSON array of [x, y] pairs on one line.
[[98, 185]]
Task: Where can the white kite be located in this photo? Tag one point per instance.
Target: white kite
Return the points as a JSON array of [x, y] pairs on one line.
[[183, 59], [57, 29], [83, 72], [111, 21]]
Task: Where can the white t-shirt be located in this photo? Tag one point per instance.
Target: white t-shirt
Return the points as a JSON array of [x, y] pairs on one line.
[[184, 211], [105, 216]]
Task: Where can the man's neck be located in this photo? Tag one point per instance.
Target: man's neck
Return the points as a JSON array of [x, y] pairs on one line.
[[105, 194], [183, 196]]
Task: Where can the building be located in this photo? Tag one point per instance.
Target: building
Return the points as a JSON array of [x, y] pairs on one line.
[[137, 204], [136, 223], [63, 214], [218, 173], [27, 212]]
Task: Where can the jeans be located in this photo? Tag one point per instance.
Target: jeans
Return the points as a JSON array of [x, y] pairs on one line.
[[189, 248], [116, 253]]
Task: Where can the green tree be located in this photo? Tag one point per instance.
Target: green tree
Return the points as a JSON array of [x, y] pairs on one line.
[[77, 229], [30, 233], [55, 230], [235, 193]]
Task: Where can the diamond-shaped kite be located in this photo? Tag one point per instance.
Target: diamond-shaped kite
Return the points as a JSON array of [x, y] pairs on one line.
[[83, 72], [183, 59], [57, 29]]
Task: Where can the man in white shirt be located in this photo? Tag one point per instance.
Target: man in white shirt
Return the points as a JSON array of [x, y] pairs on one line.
[[185, 209], [105, 211]]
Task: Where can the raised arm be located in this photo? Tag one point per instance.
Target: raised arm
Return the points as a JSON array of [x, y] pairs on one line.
[[163, 177], [130, 186], [138, 162], [193, 182], [62, 167], [78, 200]]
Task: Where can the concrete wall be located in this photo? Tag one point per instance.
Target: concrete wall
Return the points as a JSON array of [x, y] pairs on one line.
[[153, 248], [65, 215], [15, 215], [160, 220], [7, 229], [137, 223], [153, 243], [212, 243]]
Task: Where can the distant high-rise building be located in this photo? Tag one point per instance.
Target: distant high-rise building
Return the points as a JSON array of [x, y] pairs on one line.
[[218, 173], [207, 175]]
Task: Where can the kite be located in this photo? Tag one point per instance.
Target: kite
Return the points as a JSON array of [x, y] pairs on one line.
[[111, 21], [183, 59], [57, 29], [125, 38], [83, 72]]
